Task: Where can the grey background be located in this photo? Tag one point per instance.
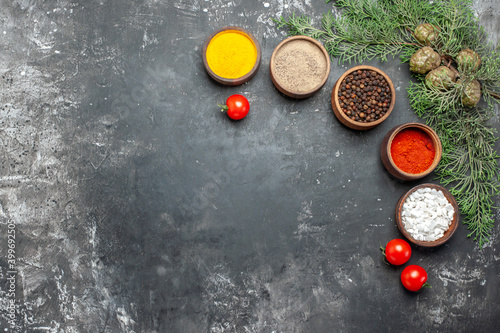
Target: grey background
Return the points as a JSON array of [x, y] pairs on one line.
[[139, 207]]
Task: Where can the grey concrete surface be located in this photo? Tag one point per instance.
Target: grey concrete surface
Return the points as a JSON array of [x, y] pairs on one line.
[[138, 207]]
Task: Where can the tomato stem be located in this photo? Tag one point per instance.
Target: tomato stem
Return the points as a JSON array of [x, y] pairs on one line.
[[385, 257], [223, 107]]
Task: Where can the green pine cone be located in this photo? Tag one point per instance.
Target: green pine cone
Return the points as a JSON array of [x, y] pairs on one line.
[[424, 60], [441, 78], [468, 59], [426, 33], [471, 94]]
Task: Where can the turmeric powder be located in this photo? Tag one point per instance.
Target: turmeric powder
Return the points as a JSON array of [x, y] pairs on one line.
[[231, 54]]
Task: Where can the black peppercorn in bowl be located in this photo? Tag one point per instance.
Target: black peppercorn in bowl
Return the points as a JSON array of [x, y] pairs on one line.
[[363, 97]]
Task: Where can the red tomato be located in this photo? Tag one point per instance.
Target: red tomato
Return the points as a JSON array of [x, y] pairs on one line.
[[237, 107], [414, 277], [397, 251]]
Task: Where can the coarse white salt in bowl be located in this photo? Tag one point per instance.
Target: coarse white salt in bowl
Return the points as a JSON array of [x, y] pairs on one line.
[[427, 215]]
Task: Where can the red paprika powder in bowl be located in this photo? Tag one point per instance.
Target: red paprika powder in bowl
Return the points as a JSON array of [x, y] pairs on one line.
[[411, 151]]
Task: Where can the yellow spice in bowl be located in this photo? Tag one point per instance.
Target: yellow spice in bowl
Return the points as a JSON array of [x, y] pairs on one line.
[[231, 54]]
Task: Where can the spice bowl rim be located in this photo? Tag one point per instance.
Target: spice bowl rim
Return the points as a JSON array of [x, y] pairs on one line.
[[314, 90], [337, 110], [448, 233], [389, 162], [242, 79]]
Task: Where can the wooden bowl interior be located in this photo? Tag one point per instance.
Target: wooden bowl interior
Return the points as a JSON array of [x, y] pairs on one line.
[[437, 146], [348, 121], [237, 81], [295, 94], [447, 234]]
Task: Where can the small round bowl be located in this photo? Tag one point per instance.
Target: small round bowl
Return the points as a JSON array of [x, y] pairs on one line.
[[448, 233], [232, 81], [344, 119], [385, 151], [288, 44]]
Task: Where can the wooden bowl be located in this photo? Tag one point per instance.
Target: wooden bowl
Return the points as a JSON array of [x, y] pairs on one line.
[[385, 151], [343, 118], [447, 235], [232, 81], [319, 78]]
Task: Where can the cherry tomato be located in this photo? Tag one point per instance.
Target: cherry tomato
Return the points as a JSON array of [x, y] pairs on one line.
[[237, 107], [397, 251], [414, 277]]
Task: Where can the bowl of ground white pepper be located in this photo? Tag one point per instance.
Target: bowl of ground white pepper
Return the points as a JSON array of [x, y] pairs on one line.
[[299, 66], [427, 215], [363, 97]]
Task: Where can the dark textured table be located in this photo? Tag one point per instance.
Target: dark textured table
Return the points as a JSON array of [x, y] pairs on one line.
[[138, 207]]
